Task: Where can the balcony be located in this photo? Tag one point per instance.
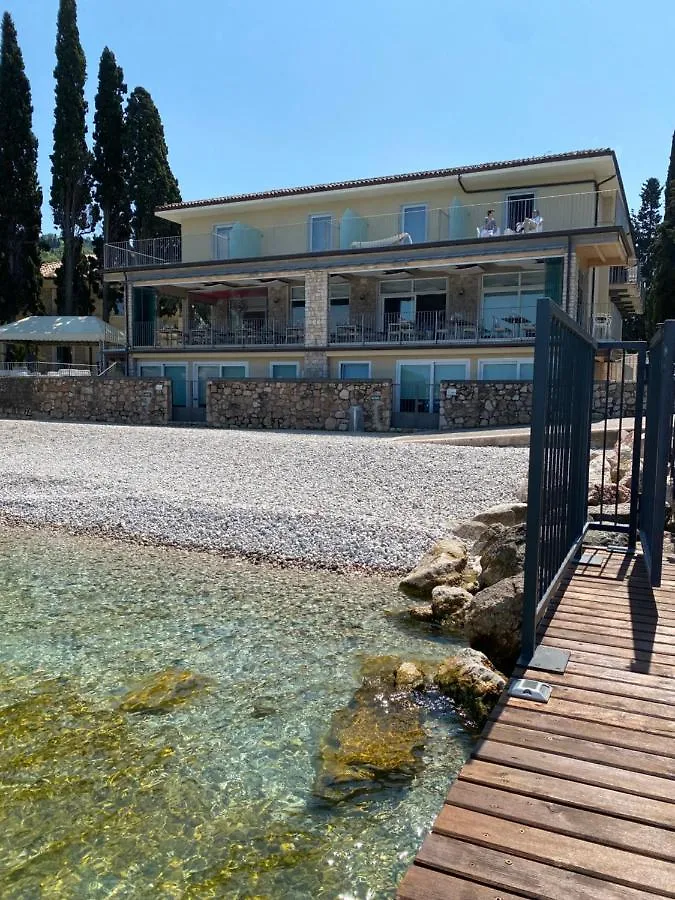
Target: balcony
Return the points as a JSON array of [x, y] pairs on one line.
[[434, 328], [626, 288], [517, 217], [250, 335]]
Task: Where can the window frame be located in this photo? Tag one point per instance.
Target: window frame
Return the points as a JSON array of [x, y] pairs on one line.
[[354, 362], [214, 238], [519, 197], [276, 377], [519, 361], [425, 206], [310, 234]]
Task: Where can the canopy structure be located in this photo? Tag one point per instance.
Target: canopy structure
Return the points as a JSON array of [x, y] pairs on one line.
[[62, 330]]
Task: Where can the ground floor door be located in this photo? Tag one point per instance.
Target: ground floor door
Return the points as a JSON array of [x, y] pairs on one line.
[[416, 392]]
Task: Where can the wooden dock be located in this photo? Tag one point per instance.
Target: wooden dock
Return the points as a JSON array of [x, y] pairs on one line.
[[575, 798]]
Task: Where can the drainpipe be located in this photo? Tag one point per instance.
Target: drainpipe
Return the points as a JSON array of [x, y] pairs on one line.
[[598, 185], [520, 187], [569, 265]]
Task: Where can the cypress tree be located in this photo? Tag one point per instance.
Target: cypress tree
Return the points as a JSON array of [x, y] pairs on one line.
[[663, 290], [151, 181], [71, 160], [109, 167], [20, 194]]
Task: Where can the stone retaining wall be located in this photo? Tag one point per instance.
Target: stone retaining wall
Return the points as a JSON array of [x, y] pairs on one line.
[[301, 404], [482, 404], [116, 401]]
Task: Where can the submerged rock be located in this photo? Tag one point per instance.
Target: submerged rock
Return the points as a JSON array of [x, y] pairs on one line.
[[443, 564], [164, 690], [471, 680], [493, 622], [376, 741], [424, 612]]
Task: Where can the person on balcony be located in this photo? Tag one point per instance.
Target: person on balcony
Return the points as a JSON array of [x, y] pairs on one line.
[[490, 224]]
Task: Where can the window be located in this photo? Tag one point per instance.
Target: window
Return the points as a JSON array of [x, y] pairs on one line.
[[510, 302], [354, 370], [418, 383], [339, 304], [414, 222], [506, 370], [518, 208], [221, 241], [208, 372], [150, 371], [320, 232], [284, 370]]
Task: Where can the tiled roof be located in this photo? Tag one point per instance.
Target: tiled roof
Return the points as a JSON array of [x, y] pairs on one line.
[[390, 179], [48, 270]]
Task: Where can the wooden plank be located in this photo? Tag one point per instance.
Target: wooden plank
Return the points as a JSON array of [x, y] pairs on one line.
[[588, 826], [615, 611], [606, 776], [572, 793], [605, 691], [616, 665], [612, 735], [614, 716], [587, 622], [426, 884], [637, 661], [593, 695], [528, 878], [623, 676], [600, 638], [574, 854]]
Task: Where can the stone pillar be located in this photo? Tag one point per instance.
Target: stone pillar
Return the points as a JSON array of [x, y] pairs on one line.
[[316, 324], [570, 285]]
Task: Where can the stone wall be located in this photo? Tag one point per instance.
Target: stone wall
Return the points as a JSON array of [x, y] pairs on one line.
[[118, 401], [464, 292], [363, 299], [301, 404], [481, 404]]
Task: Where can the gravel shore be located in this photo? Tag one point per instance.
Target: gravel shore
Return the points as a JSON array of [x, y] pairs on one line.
[[317, 499]]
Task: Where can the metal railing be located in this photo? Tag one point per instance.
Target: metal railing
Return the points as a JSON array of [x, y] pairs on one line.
[[26, 369], [199, 334], [658, 445], [433, 328], [624, 274], [520, 216], [559, 453]]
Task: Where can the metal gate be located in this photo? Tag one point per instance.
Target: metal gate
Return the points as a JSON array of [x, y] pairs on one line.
[[567, 361], [658, 447]]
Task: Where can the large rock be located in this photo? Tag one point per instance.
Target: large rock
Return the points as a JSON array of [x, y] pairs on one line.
[[443, 564], [449, 605], [375, 742], [608, 493], [503, 556], [493, 622], [471, 680], [163, 691], [507, 514]]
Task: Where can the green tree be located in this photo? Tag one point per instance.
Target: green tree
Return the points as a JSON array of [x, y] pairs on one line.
[[151, 181], [663, 287], [20, 194], [71, 159], [645, 228], [84, 284], [109, 167]]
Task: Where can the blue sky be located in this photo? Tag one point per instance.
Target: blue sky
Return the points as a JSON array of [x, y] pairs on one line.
[[268, 94]]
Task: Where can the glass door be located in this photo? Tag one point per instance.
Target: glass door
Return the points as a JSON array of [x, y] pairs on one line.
[[415, 387], [177, 375], [204, 373]]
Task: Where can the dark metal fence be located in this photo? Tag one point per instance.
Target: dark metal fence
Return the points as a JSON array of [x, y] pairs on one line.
[[559, 454], [658, 447]]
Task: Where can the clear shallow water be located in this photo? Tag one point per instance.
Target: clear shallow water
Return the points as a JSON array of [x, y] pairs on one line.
[[213, 799]]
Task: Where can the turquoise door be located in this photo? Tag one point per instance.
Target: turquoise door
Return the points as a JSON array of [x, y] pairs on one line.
[[414, 390], [178, 384]]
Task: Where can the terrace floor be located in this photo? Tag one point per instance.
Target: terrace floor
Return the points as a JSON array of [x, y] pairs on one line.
[[574, 798]]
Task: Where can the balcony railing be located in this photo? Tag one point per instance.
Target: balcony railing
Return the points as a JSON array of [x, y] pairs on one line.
[[518, 217], [624, 275], [253, 334], [434, 328]]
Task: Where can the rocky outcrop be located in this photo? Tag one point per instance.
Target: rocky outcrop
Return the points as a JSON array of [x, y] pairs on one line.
[[506, 514], [449, 606], [161, 692], [470, 679], [503, 556], [493, 621], [443, 564]]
